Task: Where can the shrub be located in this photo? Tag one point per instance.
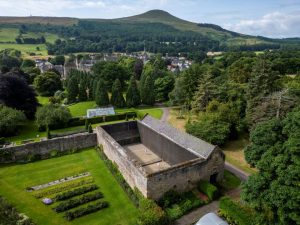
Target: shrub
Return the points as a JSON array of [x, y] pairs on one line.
[[10, 120], [235, 213], [72, 203], [75, 192], [151, 213], [171, 197], [53, 116], [207, 188], [174, 212], [86, 210]]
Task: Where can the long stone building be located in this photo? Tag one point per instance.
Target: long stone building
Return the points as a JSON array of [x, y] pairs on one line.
[[156, 157]]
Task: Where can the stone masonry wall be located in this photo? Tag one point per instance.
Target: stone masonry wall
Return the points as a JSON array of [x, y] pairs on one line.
[[134, 176], [72, 142], [185, 176]]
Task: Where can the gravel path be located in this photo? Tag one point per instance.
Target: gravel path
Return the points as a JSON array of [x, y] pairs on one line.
[[165, 115]]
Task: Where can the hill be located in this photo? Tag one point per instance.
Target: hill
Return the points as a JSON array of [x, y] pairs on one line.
[[158, 30]]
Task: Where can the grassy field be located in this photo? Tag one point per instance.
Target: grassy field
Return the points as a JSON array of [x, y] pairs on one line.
[[26, 49], [8, 34], [15, 178]]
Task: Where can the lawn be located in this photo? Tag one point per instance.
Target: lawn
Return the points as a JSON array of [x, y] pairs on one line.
[[43, 100], [79, 109], [15, 178]]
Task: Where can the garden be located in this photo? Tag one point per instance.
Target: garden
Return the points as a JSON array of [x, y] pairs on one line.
[[80, 186]]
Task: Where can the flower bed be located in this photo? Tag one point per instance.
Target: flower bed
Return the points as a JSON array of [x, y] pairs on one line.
[[66, 179], [63, 187]]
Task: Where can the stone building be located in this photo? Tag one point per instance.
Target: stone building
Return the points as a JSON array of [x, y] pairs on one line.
[[156, 157]]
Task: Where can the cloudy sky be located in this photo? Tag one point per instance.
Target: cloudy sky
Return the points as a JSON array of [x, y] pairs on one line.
[[272, 18]]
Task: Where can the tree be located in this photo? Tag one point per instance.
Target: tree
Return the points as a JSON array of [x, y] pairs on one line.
[[263, 82], [101, 97], [52, 116], [148, 91], [10, 120], [27, 63], [117, 98], [132, 95], [58, 60], [82, 91], [163, 86], [47, 83], [90, 128], [17, 94], [72, 89], [275, 187]]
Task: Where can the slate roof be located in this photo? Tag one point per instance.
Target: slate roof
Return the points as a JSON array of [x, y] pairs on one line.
[[195, 145]]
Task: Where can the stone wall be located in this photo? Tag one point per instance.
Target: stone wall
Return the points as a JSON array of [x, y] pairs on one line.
[[165, 148], [185, 176], [134, 175], [43, 148]]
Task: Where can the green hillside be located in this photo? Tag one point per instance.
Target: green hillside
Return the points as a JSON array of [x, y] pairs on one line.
[[157, 30]]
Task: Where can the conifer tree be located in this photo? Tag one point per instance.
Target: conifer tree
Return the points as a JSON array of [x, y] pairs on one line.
[[102, 98], [117, 98], [72, 89], [82, 91], [132, 95], [148, 92]]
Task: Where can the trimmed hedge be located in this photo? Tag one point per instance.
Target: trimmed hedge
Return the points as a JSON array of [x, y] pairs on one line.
[[64, 206], [75, 192], [63, 187], [67, 133], [207, 188], [234, 213], [80, 121], [86, 210]]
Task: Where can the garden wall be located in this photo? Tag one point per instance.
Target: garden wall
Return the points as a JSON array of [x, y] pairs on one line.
[[134, 176], [44, 148]]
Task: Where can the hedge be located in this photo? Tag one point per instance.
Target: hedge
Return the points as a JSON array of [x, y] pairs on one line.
[[86, 210], [80, 121], [64, 206], [235, 213], [63, 187], [75, 192], [207, 188]]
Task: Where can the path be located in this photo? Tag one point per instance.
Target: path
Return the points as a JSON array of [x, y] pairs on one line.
[[236, 171], [165, 115]]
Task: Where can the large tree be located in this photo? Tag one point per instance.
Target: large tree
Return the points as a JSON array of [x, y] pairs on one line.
[[274, 150], [16, 93], [117, 98], [147, 91], [101, 97], [72, 89], [132, 95], [47, 84], [10, 120], [52, 116]]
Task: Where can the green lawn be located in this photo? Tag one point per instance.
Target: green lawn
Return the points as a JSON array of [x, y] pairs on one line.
[[15, 178], [8, 34], [80, 109]]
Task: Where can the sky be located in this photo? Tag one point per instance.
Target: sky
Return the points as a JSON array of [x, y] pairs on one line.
[[270, 18]]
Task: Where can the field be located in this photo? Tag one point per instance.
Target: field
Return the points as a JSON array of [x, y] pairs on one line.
[[26, 49], [15, 178], [7, 40]]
